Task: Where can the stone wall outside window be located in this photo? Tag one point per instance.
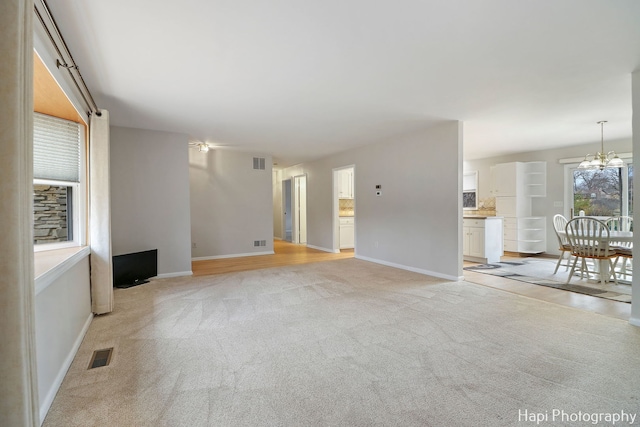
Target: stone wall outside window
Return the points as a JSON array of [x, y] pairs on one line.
[[50, 214]]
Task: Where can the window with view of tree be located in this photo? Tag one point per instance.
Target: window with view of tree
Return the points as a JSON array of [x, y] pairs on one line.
[[603, 193]]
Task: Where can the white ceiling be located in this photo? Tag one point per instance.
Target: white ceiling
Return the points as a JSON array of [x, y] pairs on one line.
[[301, 79]]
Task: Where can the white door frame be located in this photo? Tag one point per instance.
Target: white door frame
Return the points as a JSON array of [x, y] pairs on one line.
[[299, 236]]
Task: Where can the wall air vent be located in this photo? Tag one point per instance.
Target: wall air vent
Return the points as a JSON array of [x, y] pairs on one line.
[[257, 243], [259, 163]]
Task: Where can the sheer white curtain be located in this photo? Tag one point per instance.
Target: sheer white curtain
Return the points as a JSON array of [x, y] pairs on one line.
[[18, 384], [100, 215]]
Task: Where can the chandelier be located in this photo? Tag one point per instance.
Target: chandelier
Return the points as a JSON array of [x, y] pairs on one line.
[[601, 160]]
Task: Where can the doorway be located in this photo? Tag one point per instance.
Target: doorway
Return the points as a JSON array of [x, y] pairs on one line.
[[294, 208], [344, 209], [300, 209], [287, 209]]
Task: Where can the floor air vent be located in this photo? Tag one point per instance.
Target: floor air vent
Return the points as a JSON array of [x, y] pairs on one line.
[[101, 358]]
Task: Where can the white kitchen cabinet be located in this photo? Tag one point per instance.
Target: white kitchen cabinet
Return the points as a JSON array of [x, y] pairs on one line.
[[347, 232], [515, 184], [514, 179], [517, 206], [525, 235], [345, 184], [504, 179], [482, 239]]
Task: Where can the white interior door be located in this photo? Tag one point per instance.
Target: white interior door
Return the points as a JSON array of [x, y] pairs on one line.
[[300, 209]]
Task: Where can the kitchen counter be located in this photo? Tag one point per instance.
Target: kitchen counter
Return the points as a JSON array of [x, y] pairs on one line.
[[480, 216]]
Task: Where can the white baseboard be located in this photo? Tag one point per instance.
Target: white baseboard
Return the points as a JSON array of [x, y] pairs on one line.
[[277, 238], [333, 251], [48, 399], [408, 268], [175, 274], [205, 258]]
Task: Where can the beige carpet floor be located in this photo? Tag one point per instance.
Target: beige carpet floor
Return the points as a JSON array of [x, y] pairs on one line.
[[344, 343]]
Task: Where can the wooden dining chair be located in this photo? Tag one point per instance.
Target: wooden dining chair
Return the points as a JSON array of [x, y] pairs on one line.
[[623, 249], [559, 225], [589, 239]]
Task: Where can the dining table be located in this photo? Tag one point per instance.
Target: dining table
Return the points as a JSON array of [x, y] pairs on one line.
[[616, 238]]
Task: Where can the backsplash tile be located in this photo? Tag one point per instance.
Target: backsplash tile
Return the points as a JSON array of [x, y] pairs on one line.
[[346, 207], [486, 207]]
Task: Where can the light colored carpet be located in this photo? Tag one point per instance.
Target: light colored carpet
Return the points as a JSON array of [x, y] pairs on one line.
[[540, 272], [343, 343]]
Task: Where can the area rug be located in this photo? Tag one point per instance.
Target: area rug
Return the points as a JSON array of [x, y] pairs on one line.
[[540, 272]]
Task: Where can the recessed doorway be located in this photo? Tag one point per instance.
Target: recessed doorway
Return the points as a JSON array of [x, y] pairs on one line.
[[294, 209], [344, 218], [287, 211]]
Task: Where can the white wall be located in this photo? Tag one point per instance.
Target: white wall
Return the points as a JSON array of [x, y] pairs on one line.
[[416, 223], [63, 314], [277, 204], [150, 196], [544, 206], [231, 204]]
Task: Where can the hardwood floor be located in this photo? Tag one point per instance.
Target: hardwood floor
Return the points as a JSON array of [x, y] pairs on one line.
[[290, 254], [285, 254], [610, 308]]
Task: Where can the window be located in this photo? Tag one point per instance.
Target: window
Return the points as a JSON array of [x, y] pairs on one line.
[[602, 193], [58, 165], [469, 190]]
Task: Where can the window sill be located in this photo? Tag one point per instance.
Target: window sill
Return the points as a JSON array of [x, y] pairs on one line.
[[49, 265]]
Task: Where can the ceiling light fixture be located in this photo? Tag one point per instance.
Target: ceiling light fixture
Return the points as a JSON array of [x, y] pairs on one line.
[[601, 160], [202, 147]]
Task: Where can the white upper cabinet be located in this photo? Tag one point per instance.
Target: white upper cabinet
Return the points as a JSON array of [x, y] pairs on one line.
[[345, 184], [519, 179], [505, 178]]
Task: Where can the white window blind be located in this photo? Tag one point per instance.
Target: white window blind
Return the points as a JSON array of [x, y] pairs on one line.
[[56, 148]]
